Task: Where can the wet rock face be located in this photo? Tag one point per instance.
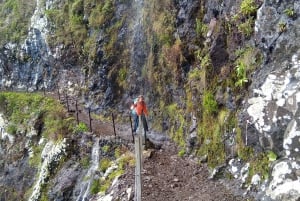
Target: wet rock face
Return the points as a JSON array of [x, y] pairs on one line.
[[273, 106]]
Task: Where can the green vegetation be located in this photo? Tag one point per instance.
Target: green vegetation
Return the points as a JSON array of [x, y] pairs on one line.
[[259, 165], [201, 28], [290, 12], [21, 108], [282, 27], [247, 27], [85, 162], [248, 7], [15, 20], [209, 104], [104, 164], [248, 59], [80, 128], [102, 184]]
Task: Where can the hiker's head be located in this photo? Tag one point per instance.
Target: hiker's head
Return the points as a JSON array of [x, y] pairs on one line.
[[141, 97]]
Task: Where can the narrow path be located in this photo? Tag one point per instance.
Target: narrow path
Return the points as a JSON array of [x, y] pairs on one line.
[[168, 177], [165, 176]]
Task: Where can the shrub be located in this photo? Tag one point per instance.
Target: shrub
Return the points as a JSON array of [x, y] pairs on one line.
[[290, 12], [95, 187], [248, 7], [104, 164], [80, 128], [209, 103], [247, 28]]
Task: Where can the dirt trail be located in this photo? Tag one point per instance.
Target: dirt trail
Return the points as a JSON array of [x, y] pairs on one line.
[[165, 176], [168, 177]]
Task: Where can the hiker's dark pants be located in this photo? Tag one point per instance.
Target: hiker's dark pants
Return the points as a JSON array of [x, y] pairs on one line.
[[136, 123]]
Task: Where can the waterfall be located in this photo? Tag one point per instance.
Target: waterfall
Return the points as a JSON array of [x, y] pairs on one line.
[[89, 176], [138, 51]]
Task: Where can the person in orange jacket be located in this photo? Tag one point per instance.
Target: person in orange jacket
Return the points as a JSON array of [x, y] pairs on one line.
[[141, 110]]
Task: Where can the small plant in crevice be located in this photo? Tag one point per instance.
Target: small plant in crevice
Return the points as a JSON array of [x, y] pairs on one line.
[[259, 164], [282, 27], [80, 128], [104, 164], [247, 27], [241, 74], [248, 59], [210, 105], [201, 28], [248, 7], [290, 12]]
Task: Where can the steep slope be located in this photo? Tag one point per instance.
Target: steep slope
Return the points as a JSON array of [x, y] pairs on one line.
[[221, 79]]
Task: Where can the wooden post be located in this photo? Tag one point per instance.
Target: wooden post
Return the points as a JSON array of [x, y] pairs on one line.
[[131, 129], [76, 107], [91, 130], [138, 167], [58, 94], [66, 95], [113, 119]]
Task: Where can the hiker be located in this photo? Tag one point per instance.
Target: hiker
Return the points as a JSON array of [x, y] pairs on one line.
[[141, 110], [132, 110]]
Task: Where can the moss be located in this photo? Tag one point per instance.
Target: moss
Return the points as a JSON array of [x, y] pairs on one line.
[[247, 27], [248, 7], [35, 160], [85, 162], [181, 153], [209, 103], [259, 165], [104, 164], [101, 185], [248, 60], [80, 128], [95, 187], [201, 28], [15, 19]]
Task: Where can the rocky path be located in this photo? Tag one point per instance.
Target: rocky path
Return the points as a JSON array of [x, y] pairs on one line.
[[165, 176], [168, 177]]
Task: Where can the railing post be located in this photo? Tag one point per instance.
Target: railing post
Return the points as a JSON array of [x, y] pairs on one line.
[[91, 130], [77, 114], [66, 95], [131, 128], [58, 94], [113, 119], [138, 168]]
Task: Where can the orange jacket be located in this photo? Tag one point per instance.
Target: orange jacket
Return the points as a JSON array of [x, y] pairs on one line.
[[141, 108]]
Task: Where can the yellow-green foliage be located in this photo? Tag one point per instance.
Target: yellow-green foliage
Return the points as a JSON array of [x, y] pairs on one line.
[[244, 152], [248, 7], [35, 161], [177, 132], [81, 127], [210, 135], [101, 185], [201, 28], [85, 162], [104, 164], [259, 164], [15, 19], [163, 21], [21, 108], [248, 59], [209, 103], [175, 116], [290, 12], [247, 27]]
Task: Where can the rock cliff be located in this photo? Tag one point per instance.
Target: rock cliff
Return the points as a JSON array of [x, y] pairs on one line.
[[221, 78]]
